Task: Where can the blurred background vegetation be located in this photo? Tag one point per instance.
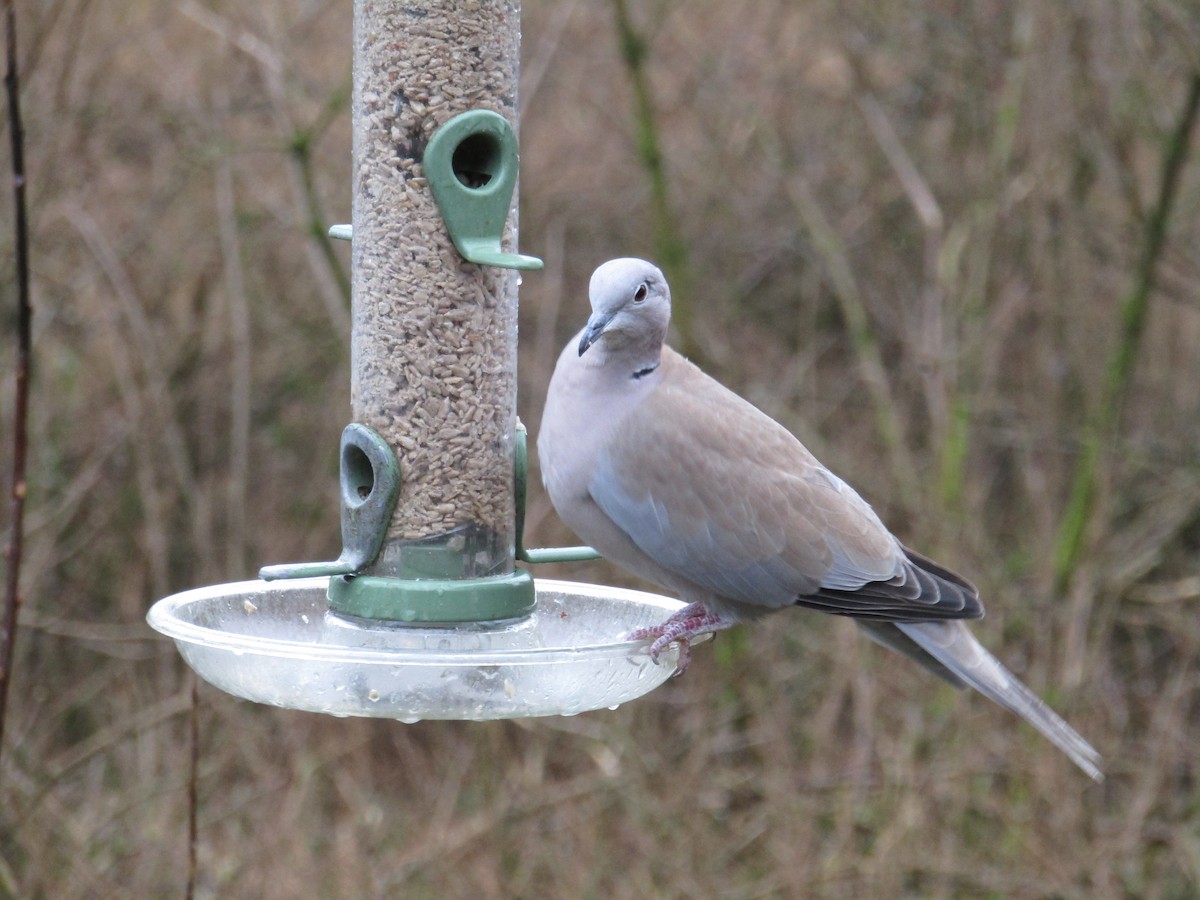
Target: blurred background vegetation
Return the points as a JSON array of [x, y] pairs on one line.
[[920, 234]]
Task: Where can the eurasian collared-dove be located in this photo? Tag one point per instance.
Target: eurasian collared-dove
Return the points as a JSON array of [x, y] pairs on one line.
[[682, 482]]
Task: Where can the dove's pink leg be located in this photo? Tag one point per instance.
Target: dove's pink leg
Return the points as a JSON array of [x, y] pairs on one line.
[[684, 625]]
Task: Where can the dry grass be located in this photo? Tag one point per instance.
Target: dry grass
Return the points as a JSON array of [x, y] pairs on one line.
[[939, 204]]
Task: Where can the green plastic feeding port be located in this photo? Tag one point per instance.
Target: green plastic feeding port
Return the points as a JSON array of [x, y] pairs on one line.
[[471, 164], [370, 484]]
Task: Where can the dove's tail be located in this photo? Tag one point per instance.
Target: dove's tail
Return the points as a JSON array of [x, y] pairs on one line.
[[955, 648]]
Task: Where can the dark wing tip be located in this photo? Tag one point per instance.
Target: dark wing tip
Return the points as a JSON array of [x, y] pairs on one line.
[[929, 593], [962, 591]]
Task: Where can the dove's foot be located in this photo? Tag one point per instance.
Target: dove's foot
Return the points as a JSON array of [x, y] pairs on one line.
[[689, 622]]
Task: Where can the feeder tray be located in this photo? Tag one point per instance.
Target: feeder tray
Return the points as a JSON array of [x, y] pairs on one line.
[[278, 643]]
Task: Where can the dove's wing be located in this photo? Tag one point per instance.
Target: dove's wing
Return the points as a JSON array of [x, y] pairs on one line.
[[719, 493]]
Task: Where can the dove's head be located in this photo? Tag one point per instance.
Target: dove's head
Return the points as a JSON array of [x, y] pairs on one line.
[[631, 306]]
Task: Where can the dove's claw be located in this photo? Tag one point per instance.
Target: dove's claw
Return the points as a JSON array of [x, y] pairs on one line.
[[684, 625], [685, 657]]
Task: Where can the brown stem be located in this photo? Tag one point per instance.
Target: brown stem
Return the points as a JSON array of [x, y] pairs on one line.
[[12, 554], [193, 788]]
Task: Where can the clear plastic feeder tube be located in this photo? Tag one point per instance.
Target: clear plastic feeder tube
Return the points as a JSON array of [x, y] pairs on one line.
[[434, 339]]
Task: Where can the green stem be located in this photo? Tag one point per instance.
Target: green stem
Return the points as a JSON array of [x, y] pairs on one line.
[[956, 444], [301, 151], [669, 247], [1119, 370]]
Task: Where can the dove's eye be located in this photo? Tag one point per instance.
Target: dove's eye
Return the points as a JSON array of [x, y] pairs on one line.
[[640, 294]]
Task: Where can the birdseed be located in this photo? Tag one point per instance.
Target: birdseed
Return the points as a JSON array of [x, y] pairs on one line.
[[434, 337]]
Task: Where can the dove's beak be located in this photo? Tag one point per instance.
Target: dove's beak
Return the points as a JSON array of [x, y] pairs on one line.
[[595, 327]]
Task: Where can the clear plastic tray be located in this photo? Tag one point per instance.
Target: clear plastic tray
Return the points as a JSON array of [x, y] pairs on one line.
[[278, 643]]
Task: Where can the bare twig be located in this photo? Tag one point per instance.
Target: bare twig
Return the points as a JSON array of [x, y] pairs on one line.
[[916, 188], [239, 343], [984, 224], [463, 832], [930, 336], [12, 553], [331, 276], [548, 39], [840, 274], [141, 406], [193, 786], [104, 739]]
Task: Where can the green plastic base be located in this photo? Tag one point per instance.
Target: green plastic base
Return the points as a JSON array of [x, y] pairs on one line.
[[431, 600]]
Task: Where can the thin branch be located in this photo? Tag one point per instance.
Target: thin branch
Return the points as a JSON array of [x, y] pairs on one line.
[[143, 405], [985, 223], [12, 553], [840, 275], [916, 188], [240, 357], [929, 341], [193, 786], [331, 275], [316, 226]]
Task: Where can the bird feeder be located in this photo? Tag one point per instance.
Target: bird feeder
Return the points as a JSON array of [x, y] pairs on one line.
[[426, 614]]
